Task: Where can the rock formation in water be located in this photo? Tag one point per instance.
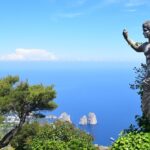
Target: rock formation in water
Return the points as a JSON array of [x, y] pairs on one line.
[[51, 117], [65, 117], [92, 118], [83, 120]]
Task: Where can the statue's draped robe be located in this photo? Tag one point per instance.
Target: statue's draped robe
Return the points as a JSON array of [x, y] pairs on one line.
[[146, 98]]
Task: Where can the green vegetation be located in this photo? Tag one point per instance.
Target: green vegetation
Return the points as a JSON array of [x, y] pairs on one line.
[[140, 76], [20, 98], [136, 138], [133, 141], [56, 136]]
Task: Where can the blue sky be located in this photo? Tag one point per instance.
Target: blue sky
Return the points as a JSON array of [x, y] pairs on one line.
[[71, 30]]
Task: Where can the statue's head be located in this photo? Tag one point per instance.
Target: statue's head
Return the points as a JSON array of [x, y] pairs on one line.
[[146, 29]]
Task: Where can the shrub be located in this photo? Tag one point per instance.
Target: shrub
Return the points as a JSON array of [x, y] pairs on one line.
[[56, 136], [75, 144], [25, 135], [38, 144], [133, 141]]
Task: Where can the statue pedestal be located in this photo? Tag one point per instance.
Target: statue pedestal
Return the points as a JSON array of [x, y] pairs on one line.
[[146, 98]]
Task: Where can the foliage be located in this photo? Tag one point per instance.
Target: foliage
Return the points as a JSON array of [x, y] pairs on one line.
[[20, 98], [133, 141], [25, 135], [74, 144], [56, 136], [143, 123], [2, 119], [136, 138], [140, 76], [51, 145]]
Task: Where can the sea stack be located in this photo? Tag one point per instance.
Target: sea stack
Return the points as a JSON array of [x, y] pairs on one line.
[[65, 117], [92, 118], [83, 120], [51, 117]]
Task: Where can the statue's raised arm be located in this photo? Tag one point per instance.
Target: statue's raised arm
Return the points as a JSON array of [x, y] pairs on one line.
[[136, 46], [145, 47]]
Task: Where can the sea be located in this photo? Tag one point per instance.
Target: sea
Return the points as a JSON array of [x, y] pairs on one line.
[[83, 87]]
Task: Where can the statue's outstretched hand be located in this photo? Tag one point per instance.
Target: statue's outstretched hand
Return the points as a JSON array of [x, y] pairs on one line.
[[125, 33]]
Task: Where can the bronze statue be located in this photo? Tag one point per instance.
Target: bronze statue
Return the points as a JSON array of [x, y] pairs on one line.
[[143, 47]]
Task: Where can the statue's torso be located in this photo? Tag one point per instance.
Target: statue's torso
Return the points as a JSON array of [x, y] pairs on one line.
[[146, 50]]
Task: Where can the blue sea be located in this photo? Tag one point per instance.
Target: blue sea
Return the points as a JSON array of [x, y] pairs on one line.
[[102, 88]]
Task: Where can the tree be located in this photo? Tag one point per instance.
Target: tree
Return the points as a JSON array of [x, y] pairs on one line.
[[21, 99]]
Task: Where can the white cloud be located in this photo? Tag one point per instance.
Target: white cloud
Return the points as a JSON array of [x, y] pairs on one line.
[[28, 55], [69, 15], [81, 2], [112, 1], [127, 3], [78, 3], [135, 3], [130, 10], [73, 10], [71, 3], [44, 55]]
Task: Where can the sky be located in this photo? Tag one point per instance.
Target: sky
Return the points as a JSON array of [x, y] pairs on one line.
[[71, 30]]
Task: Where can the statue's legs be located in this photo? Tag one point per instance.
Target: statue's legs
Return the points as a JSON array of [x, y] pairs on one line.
[[146, 97], [148, 70]]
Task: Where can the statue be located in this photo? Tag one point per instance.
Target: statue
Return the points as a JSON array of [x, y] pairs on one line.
[[145, 48]]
